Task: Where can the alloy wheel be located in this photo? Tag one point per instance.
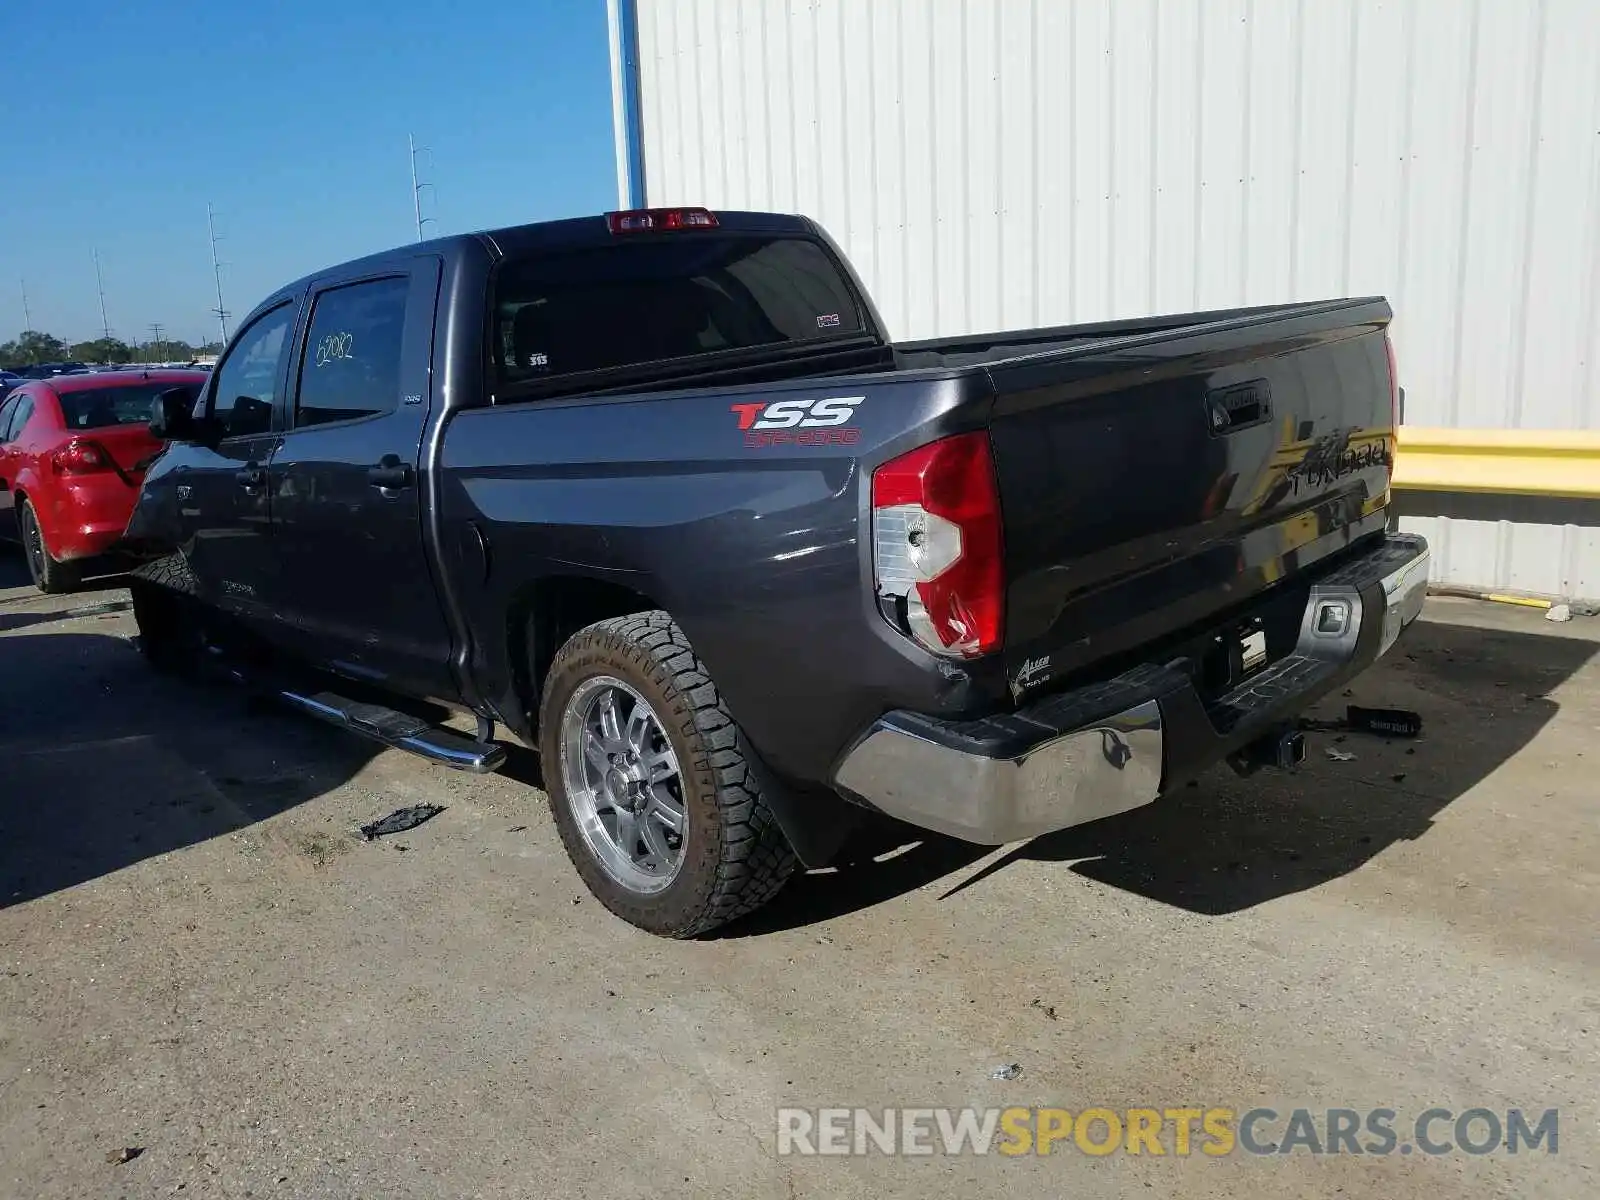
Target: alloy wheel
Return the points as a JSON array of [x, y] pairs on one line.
[[623, 784]]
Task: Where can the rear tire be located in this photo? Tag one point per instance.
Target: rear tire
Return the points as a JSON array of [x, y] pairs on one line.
[[730, 857], [169, 633], [49, 575]]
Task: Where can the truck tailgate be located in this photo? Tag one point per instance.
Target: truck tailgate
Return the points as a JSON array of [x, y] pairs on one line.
[[1156, 483]]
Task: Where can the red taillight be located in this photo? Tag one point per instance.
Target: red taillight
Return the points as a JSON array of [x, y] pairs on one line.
[[655, 220], [80, 457], [937, 545]]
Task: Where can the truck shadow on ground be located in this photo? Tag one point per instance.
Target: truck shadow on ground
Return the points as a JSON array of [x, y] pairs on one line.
[[104, 764], [1227, 843]]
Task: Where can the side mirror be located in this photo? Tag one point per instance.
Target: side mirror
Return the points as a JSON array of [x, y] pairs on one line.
[[172, 416]]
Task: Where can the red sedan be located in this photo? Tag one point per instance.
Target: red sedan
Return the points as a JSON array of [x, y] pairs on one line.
[[73, 450]]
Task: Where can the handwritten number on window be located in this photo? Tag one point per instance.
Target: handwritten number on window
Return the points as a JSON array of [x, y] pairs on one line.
[[334, 346]]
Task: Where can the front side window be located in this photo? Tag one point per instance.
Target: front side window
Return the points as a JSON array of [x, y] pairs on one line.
[[672, 297], [6, 409], [247, 380], [351, 364]]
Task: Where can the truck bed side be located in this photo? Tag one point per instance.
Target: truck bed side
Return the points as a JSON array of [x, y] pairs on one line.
[[755, 549]]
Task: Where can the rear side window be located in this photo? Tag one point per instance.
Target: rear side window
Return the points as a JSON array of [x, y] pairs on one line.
[[102, 407], [665, 298], [351, 367]]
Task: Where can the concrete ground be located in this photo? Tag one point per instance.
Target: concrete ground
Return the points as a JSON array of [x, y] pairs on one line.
[[199, 958]]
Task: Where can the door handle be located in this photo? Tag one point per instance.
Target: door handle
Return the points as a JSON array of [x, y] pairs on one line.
[[390, 474], [251, 478]]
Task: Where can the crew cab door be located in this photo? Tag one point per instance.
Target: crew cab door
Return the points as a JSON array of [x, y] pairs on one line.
[[220, 488], [357, 593]]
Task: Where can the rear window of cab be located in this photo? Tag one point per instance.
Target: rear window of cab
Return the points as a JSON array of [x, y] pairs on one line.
[[667, 298]]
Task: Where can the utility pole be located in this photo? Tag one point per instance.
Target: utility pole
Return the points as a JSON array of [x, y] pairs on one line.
[[416, 188], [27, 317], [100, 283], [216, 270], [155, 333]]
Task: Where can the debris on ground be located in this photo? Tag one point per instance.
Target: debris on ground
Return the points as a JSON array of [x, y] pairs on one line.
[[1389, 722], [1385, 722], [1558, 612], [1049, 1010], [1339, 755], [401, 819], [1009, 1071], [124, 1154], [1318, 725]]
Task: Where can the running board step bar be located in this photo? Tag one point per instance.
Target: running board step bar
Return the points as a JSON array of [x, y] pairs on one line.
[[446, 747]]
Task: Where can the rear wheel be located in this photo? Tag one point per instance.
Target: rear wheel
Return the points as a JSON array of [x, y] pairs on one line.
[[649, 784], [49, 576]]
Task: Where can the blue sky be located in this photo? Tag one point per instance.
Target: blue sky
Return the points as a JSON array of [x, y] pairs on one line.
[[124, 119]]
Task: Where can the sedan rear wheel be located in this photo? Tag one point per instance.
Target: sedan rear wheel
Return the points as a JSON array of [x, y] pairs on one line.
[[49, 575]]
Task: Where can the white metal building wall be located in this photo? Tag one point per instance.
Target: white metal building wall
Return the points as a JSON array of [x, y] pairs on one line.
[[1001, 163]]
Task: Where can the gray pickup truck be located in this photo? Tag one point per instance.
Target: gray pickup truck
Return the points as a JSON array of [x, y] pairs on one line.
[[655, 492]]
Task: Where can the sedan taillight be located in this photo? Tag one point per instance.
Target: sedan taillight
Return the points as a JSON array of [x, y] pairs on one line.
[[80, 457], [937, 550]]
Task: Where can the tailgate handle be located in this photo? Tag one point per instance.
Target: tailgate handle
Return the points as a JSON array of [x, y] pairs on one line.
[[1239, 407]]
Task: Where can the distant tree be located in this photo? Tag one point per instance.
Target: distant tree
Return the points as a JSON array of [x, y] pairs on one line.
[[212, 348], [103, 350], [166, 350], [31, 346]]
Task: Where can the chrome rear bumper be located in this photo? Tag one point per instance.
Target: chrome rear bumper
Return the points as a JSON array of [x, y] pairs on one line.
[[1111, 747]]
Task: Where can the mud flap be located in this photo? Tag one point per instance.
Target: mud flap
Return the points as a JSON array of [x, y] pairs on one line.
[[816, 820]]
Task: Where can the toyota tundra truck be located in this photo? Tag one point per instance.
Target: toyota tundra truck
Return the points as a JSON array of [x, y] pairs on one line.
[[656, 493]]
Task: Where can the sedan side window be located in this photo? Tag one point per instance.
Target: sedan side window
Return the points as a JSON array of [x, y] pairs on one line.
[[19, 418], [6, 409], [246, 383]]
